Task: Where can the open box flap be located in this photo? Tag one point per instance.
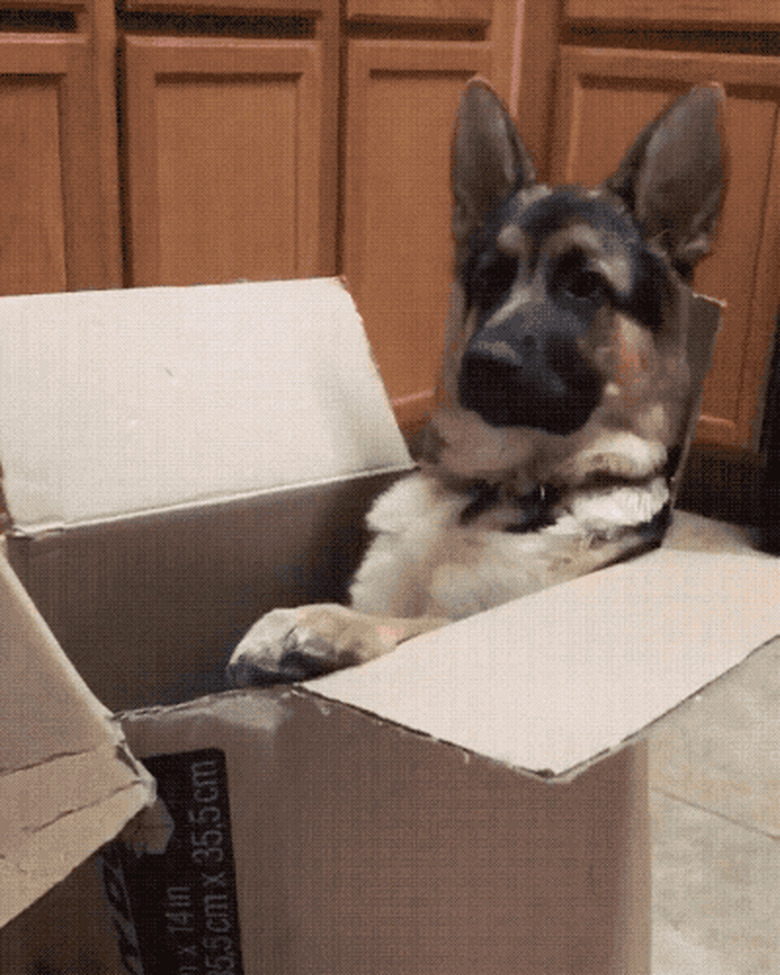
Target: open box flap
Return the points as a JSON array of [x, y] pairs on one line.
[[556, 678], [125, 401], [704, 315], [68, 783]]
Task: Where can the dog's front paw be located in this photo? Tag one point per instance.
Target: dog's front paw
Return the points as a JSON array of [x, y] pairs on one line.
[[281, 648], [288, 645]]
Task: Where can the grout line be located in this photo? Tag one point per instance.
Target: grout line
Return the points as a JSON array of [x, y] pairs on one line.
[[716, 813]]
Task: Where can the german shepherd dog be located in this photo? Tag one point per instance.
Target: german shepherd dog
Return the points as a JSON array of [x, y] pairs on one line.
[[563, 395]]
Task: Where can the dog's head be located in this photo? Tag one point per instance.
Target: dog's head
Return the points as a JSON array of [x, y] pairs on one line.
[[565, 349]]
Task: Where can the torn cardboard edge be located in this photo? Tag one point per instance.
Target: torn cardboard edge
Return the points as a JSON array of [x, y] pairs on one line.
[[68, 782], [548, 775], [704, 315]]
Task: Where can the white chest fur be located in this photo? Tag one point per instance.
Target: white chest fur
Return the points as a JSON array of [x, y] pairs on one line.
[[424, 561]]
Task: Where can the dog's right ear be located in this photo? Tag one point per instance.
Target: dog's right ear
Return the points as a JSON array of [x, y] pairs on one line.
[[489, 161], [673, 177]]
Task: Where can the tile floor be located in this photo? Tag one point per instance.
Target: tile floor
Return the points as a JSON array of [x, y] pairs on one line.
[[715, 809]]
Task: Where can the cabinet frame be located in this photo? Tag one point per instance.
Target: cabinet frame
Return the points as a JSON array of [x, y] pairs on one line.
[[745, 14]]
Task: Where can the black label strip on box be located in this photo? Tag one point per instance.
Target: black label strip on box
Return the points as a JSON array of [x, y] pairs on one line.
[[182, 903]]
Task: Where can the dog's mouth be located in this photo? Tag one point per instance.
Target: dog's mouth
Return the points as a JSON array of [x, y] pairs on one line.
[[555, 398]]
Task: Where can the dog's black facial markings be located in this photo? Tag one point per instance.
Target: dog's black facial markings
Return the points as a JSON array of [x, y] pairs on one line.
[[648, 286], [490, 278], [576, 283], [537, 510], [488, 272], [482, 496], [580, 253]]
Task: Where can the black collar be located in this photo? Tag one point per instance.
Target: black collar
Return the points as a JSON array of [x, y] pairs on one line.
[[534, 509]]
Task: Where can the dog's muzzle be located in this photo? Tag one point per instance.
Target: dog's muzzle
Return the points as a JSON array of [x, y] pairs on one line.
[[528, 377]]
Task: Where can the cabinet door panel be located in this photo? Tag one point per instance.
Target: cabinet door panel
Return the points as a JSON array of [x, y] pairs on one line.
[[223, 159], [605, 98], [32, 228], [58, 229], [401, 103]]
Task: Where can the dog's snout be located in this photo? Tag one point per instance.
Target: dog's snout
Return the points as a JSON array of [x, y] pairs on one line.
[[528, 379]]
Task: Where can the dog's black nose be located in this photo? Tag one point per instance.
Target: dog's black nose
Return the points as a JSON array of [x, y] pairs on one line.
[[550, 388]]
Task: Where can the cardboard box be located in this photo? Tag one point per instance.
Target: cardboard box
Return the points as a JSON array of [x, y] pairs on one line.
[[475, 801]]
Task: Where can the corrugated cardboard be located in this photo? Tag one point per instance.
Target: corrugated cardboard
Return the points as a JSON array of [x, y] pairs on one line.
[[68, 782], [120, 402]]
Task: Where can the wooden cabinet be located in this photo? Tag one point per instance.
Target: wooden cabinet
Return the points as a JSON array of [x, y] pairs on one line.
[[223, 159], [749, 14], [143, 144], [614, 70], [58, 204]]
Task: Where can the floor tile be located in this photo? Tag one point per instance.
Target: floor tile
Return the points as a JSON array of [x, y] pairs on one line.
[[721, 749], [694, 533], [716, 894]]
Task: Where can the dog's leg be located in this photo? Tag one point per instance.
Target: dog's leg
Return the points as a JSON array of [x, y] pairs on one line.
[[289, 645]]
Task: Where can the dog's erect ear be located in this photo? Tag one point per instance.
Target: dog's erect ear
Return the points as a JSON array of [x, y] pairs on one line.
[[488, 159], [673, 176]]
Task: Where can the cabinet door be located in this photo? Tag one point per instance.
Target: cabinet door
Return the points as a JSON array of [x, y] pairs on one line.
[[401, 103], [222, 159], [58, 217], [605, 97]]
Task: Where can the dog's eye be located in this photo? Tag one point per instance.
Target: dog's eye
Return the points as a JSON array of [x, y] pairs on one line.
[[579, 282], [585, 284], [491, 275]]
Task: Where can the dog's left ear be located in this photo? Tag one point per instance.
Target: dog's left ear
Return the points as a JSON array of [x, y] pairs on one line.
[[673, 176], [489, 160]]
